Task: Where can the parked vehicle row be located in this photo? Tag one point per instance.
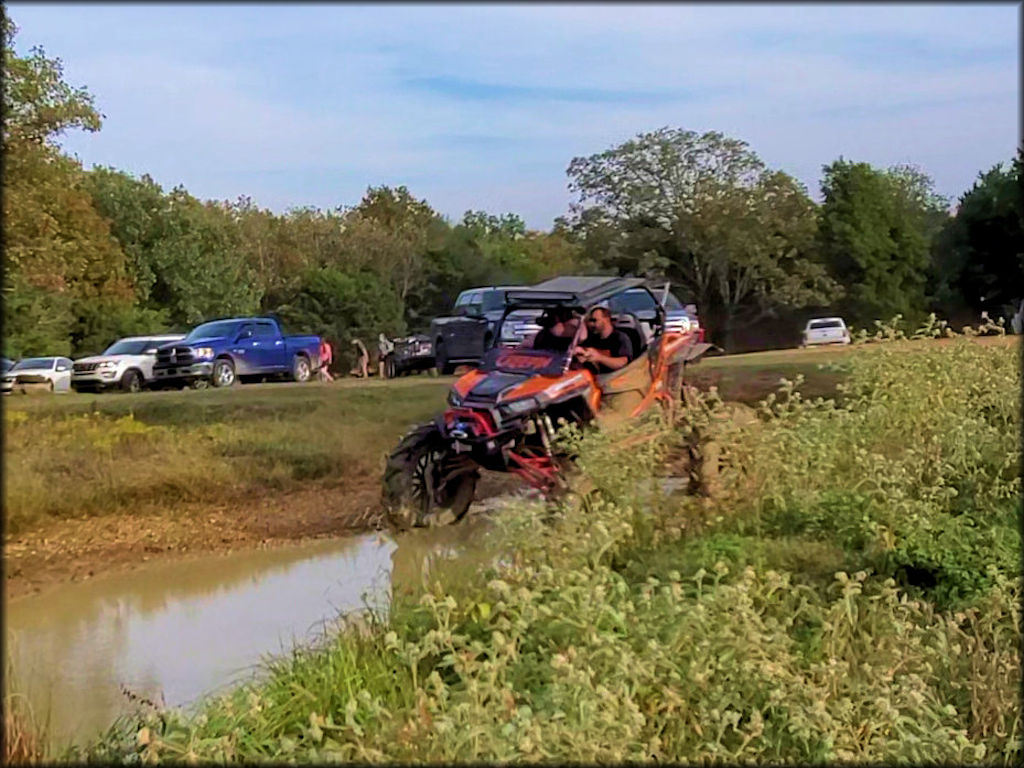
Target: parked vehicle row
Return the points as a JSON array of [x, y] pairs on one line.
[[223, 352], [219, 352]]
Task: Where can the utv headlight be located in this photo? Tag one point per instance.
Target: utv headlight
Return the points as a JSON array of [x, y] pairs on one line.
[[518, 408], [204, 352], [453, 399]]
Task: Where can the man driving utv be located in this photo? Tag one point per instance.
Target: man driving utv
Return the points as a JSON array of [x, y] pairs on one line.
[[605, 349]]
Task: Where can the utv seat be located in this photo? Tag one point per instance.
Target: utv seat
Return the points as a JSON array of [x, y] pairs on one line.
[[623, 390], [633, 330]]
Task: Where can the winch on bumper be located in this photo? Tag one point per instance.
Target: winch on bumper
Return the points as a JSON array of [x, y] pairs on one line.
[[488, 435]]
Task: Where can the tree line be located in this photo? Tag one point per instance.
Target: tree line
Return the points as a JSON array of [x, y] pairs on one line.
[[91, 255]]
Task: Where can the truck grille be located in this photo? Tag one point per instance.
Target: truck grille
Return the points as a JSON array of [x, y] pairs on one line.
[[174, 356], [85, 367]]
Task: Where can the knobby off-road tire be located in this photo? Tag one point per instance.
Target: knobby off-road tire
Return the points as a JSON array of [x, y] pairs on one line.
[[703, 454], [424, 484]]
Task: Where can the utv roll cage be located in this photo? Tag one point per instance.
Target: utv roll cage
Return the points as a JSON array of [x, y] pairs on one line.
[[578, 293]]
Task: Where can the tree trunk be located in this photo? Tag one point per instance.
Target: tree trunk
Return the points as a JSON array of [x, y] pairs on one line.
[[719, 322]]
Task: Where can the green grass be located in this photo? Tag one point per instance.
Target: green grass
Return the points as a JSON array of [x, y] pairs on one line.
[[81, 455]]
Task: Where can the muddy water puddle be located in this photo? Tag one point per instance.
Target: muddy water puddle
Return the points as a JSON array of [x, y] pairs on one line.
[[172, 632]]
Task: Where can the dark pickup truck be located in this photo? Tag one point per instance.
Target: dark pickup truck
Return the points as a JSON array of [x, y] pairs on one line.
[[410, 354], [471, 330], [222, 351]]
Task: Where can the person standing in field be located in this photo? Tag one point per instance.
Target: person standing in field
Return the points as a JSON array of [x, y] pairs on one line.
[[362, 364], [384, 348], [326, 358]]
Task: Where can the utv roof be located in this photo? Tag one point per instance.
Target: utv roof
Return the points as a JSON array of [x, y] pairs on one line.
[[582, 291]]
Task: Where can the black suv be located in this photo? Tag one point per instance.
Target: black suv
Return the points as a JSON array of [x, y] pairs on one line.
[[471, 329]]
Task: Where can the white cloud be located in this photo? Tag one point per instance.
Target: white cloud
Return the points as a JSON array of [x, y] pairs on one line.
[[309, 104]]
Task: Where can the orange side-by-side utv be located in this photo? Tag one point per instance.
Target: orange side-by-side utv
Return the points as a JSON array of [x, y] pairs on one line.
[[503, 415]]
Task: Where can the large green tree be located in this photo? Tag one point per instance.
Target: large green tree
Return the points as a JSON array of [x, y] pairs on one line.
[[188, 256], [979, 261], [705, 212], [60, 261], [877, 228]]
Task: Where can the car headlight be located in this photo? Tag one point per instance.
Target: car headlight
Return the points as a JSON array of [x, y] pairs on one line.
[[518, 407], [107, 364], [453, 399], [204, 352]]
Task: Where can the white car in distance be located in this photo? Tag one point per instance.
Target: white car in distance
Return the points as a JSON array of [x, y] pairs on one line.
[[825, 330], [127, 364], [48, 373]]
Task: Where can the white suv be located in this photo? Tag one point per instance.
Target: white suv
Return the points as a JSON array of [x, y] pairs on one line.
[[826, 330], [127, 363]]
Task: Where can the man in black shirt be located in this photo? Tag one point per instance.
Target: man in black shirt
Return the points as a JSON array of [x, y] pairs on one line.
[[605, 349]]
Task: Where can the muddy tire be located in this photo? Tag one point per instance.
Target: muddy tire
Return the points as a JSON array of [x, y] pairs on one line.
[[424, 484], [223, 373]]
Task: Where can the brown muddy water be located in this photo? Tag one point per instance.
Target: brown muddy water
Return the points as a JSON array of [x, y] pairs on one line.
[[171, 632]]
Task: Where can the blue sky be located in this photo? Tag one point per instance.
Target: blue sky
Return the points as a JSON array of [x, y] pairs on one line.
[[484, 106]]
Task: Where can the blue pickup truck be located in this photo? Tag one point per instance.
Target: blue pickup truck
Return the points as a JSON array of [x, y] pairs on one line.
[[223, 351]]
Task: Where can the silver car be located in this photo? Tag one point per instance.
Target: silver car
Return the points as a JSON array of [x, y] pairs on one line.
[[126, 364], [52, 374]]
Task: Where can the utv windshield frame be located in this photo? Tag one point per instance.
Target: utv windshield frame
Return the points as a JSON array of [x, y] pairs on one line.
[[578, 294]]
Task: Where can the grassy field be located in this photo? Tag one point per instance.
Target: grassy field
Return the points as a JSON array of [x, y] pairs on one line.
[[851, 595], [80, 455]]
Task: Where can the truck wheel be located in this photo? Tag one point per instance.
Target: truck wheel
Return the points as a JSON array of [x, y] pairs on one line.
[[300, 368], [223, 373], [424, 483], [131, 381], [441, 360]]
